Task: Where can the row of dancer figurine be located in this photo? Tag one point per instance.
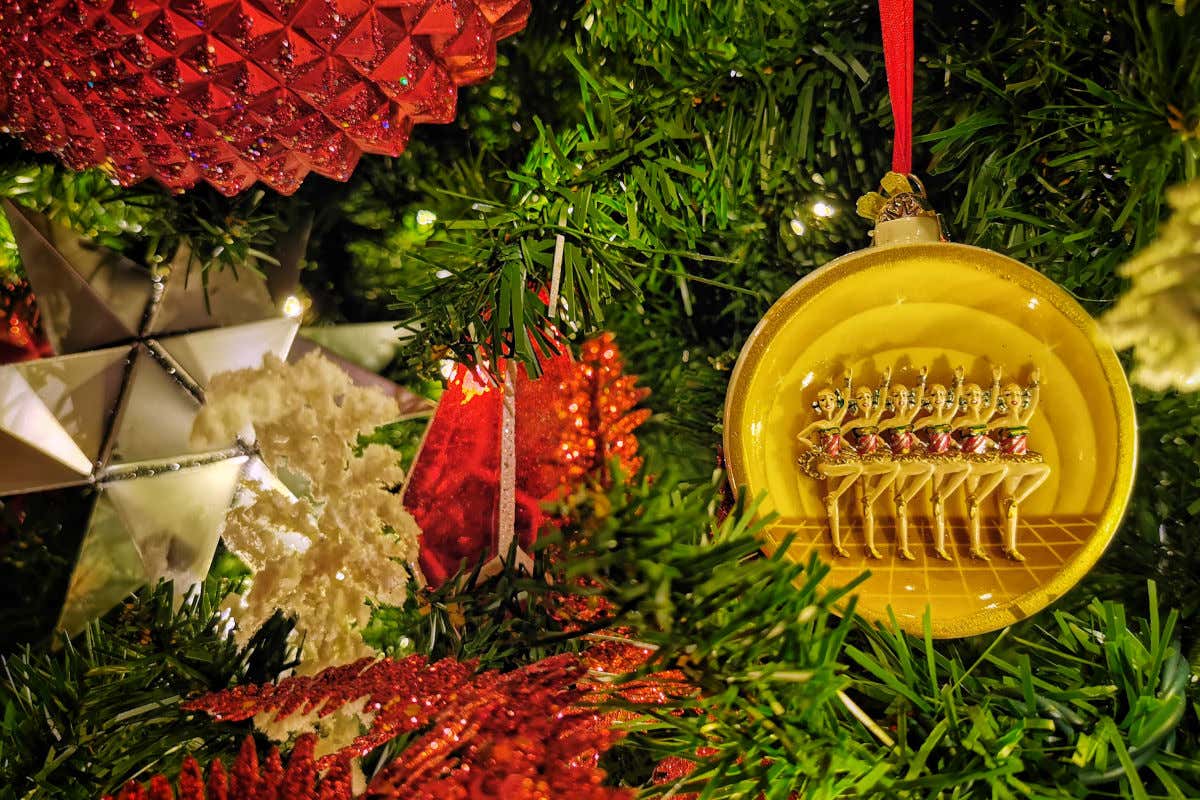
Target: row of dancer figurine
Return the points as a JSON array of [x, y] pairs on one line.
[[903, 440]]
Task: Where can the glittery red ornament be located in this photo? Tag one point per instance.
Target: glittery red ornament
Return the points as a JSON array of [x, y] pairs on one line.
[[234, 91], [569, 423], [249, 782], [453, 489]]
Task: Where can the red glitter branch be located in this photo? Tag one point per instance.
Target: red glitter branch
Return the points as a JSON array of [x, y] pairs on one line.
[[522, 735], [603, 413], [403, 696], [250, 782], [518, 735]]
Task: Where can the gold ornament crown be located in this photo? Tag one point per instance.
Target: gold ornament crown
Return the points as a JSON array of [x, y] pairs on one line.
[[900, 196], [901, 212]]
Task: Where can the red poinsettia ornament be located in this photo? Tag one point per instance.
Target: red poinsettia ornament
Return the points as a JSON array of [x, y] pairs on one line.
[[234, 91]]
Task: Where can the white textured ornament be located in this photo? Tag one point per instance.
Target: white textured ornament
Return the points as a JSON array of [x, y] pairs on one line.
[[336, 534]]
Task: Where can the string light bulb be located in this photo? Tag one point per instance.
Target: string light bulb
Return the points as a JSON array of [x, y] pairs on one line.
[[292, 306], [823, 209]]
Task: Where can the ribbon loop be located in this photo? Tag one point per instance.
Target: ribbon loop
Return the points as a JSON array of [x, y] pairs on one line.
[[896, 19]]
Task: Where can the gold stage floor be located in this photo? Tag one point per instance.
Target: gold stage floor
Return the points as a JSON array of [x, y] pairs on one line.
[[957, 587]]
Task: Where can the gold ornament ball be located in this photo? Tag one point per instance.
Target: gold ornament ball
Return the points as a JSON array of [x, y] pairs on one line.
[[909, 302]]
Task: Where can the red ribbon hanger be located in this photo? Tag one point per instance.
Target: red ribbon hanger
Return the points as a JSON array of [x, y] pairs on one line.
[[896, 18]]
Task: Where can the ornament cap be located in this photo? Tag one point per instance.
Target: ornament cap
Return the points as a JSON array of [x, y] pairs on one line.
[[908, 230], [901, 212]]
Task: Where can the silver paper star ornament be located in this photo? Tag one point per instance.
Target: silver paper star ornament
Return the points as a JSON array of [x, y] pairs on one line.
[[114, 409]]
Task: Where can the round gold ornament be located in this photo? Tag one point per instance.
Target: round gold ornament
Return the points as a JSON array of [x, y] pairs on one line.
[[941, 416]]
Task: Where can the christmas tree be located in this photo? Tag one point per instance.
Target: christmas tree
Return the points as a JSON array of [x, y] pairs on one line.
[[628, 193]]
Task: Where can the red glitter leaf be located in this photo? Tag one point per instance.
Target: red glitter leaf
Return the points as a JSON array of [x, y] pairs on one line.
[[520, 735], [607, 400], [403, 696], [300, 782]]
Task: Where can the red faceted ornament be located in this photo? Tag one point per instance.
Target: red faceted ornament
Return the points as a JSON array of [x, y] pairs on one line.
[[234, 91], [454, 491]]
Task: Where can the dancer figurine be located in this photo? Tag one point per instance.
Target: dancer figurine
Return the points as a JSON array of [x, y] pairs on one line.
[[829, 458], [879, 471], [876, 439], [1026, 468], [908, 452], [980, 450], [949, 468]]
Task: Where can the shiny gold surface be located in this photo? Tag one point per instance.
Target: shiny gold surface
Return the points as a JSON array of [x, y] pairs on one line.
[[156, 419], [939, 305], [108, 568], [224, 298], [69, 419], [120, 418], [80, 391], [25, 418]]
